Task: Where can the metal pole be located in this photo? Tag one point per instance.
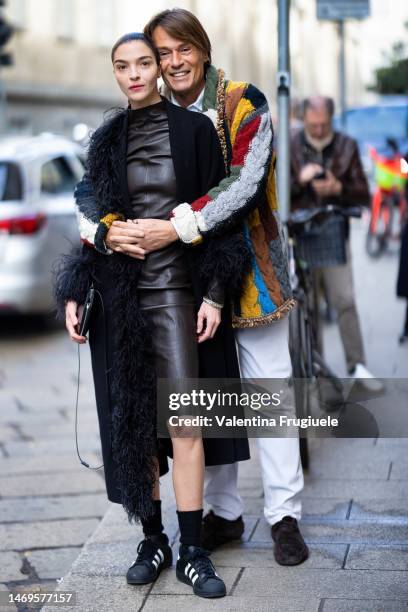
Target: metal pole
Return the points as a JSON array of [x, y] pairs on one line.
[[283, 83], [342, 73]]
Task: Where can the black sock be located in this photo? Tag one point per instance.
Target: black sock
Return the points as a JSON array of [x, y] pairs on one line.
[[190, 526], [153, 525]]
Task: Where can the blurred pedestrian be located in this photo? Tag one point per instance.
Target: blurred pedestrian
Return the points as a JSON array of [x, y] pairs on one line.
[[157, 313], [326, 169], [402, 282]]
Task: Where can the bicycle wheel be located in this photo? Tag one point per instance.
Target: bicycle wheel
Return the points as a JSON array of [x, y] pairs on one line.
[[299, 368], [378, 230]]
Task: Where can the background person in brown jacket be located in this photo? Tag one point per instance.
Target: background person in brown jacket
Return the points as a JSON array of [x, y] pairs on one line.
[[318, 149]]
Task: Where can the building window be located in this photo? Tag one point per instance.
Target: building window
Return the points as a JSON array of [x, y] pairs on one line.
[[17, 13], [65, 19]]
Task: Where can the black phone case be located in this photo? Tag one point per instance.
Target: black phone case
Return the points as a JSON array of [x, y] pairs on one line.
[[86, 314]]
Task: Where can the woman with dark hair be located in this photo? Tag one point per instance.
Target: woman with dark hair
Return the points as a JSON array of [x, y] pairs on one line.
[[162, 316]]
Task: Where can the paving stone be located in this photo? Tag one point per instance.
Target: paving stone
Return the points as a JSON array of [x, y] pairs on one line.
[[342, 532], [353, 532], [253, 506], [40, 399], [8, 433], [23, 536], [377, 557], [51, 484], [251, 555], [399, 468], [360, 453], [50, 508], [101, 595], [377, 468], [115, 528], [52, 562], [355, 584], [167, 583], [51, 447], [7, 607], [393, 510], [325, 508], [44, 587], [62, 430], [10, 567], [401, 443], [186, 603], [12, 415], [111, 559], [356, 489], [364, 605], [44, 465]]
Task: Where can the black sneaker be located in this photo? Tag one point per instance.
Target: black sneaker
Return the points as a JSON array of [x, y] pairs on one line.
[[153, 555], [290, 547], [195, 569], [217, 530]]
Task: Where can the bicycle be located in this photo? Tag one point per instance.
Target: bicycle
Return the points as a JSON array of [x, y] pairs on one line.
[[388, 203], [306, 253]]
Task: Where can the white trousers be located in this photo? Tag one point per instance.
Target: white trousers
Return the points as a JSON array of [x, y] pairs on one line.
[[263, 353]]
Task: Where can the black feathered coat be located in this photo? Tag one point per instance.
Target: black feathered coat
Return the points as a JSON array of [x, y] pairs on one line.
[[119, 337]]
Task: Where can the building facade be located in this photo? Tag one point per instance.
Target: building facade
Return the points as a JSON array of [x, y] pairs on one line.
[[62, 74]]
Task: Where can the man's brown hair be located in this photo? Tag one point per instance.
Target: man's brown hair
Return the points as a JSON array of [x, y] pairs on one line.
[[183, 25]]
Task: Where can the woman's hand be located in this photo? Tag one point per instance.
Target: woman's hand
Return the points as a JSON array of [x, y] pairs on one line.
[[124, 237], [73, 315], [208, 320]]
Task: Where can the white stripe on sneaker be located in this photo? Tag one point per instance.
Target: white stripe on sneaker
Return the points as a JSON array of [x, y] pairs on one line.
[[157, 557], [186, 569], [155, 563], [160, 554], [191, 572], [194, 578]]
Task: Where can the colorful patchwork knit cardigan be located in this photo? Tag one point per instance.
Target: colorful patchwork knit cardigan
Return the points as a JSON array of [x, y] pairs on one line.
[[241, 115]]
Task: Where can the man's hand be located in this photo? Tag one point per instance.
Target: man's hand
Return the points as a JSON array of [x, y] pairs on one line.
[[208, 320], [157, 233], [328, 186], [137, 237], [308, 172], [73, 315]]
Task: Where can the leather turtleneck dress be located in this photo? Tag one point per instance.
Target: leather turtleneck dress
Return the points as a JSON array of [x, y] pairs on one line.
[[165, 293]]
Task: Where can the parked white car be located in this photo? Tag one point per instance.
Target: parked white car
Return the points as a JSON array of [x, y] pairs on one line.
[[38, 175]]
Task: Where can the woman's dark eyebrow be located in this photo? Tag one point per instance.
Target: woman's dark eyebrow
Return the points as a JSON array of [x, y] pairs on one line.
[[138, 59]]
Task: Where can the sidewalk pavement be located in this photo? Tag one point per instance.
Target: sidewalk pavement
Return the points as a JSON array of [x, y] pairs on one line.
[[49, 503], [354, 521], [355, 502]]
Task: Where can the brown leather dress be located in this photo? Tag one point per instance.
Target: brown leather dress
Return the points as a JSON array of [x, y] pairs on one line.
[[165, 293]]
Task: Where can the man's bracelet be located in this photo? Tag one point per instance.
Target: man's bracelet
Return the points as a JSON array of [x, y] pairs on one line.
[[211, 303]]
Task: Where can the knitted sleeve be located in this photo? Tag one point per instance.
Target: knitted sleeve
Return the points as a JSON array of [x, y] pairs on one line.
[[251, 136]]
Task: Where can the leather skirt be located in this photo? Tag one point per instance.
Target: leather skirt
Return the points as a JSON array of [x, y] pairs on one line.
[[172, 317]]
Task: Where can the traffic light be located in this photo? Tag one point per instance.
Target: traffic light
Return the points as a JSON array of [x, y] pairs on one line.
[[6, 31]]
